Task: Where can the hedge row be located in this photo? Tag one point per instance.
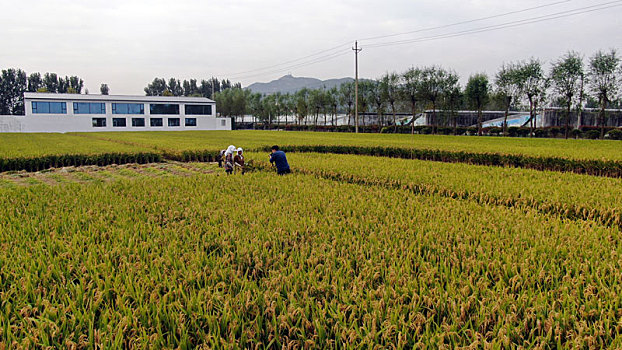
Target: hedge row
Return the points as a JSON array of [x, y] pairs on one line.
[[59, 161], [579, 166]]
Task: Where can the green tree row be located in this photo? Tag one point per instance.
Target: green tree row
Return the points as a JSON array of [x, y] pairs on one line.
[[570, 83], [14, 82], [192, 87]]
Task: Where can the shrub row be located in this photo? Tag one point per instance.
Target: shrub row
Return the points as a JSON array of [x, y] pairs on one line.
[[59, 161], [579, 166]]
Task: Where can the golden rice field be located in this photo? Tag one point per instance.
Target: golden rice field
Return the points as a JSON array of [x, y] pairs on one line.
[[44, 144], [349, 251]]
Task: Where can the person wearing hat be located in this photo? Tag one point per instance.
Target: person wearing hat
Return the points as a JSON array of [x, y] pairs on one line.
[[238, 161], [229, 159]]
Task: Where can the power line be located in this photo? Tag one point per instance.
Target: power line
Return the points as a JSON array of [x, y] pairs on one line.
[[340, 46], [466, 22], [299, 65], [341, 50], [510, 24]]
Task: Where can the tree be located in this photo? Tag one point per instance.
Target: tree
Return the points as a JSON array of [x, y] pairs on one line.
[[477, 94], [239, 101], [302, 104], [174, 86], [453, 99], [156, 88], [290, 102], [567, 79], [34, 82], [507, 82], [390, 90], [604, 80], [435, 81], [76, 84], [13, 83], [346, 98], [411, 91], [378, 99], [533, 84], [365, 98], [50, 82], [224, 103], [190, 88], [205, 89], [316, 102], [104, 89]]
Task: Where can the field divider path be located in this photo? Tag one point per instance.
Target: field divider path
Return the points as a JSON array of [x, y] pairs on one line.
[[611, 218], [593, 167]]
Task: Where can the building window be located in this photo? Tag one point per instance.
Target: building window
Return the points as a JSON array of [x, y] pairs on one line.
[[173, 121], [138, 122], [119, 122], [99, 122], [155, 121], [160, 108], [191, 122], [49, 107], [223, 122], [199, 109], [128, 108], [89, 108]]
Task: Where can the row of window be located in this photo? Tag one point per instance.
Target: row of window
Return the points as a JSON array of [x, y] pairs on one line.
[[118, 108], [140, 122]]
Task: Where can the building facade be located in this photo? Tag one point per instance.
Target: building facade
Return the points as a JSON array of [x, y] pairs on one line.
[[47, 112]]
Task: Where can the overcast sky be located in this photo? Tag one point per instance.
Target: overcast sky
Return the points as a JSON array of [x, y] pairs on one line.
[[127, 43]]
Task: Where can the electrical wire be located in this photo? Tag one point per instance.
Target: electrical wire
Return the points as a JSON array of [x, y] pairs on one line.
[[552, 16], [466, 22], [340, 46], [339, 50]]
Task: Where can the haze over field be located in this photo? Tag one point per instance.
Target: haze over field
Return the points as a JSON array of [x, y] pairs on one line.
[[127, 43]]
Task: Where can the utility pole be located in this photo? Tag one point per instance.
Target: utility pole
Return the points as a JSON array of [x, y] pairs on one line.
[[356, 85]]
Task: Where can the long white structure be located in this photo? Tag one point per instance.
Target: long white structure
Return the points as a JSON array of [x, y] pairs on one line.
[[46, 112]]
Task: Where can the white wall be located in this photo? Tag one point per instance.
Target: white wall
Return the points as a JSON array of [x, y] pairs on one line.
[[11, 123], [74, 123], [84, 122]]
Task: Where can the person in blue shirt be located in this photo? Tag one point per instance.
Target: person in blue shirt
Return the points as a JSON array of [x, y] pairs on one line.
[[278, 158]]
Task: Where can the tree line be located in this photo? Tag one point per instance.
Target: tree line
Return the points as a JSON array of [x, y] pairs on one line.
[[14, 82], [570, 82], [194, 88]]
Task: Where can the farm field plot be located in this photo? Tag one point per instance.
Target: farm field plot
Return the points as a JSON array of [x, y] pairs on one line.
[[350, 251], [35, 145], [97, 174], [250, 139], [298, 261], [564, 193]]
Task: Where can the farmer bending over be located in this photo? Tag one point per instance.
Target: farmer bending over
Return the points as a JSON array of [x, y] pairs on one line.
[[278, 158], [238, 161]]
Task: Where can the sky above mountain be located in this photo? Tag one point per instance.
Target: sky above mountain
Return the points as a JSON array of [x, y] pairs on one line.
[[127, 43]]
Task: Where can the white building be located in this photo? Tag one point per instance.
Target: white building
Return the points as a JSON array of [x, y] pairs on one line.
[[46, 112]]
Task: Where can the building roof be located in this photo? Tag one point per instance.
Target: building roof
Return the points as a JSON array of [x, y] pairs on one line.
[[106, 98]]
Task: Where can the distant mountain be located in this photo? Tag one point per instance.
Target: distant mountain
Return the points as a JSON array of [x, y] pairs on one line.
[[290, 84]]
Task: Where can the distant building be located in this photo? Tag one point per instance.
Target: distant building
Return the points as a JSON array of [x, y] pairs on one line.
[[50, 112]]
